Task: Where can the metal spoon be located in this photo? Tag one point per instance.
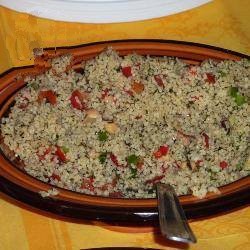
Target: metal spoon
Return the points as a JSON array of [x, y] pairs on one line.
[[173, 222]]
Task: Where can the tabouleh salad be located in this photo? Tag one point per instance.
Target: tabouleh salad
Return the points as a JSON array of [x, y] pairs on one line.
[[121, 124]]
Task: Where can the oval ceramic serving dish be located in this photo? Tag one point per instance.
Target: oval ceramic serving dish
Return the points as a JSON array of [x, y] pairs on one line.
[[25, 188]]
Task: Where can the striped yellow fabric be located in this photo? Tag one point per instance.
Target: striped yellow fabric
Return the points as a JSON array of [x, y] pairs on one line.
[[23, 228], [223, 23]]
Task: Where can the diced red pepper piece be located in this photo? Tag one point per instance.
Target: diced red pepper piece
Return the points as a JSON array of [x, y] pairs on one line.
[[140, 164], [210, 78], [60, 154], [192, 70], [107, 185], [163, 150], [113, 158], [198, 163], [104, 187], [185, 135], [206, 139], [155, 180], [55, 177], [196, 97], [129, 92], [117, 194], [105, 93], [137, 87], [78, 100], [138, 117], [49, 95], [114, 182], [24, 104], [127, 71], [164, 169], [223, 164], [177, 164], [159, 81], [42, 157], [87, 183]]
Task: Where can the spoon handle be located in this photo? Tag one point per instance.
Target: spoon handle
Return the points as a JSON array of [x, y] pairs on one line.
[[173, 222]]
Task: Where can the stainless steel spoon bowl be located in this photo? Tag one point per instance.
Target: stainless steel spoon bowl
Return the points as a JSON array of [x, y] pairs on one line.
[[173, 222]]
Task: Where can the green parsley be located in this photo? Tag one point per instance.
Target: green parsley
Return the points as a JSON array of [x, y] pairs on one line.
[[238, 98], [222, 74], [103, 157], [239, 166], [64, 149], [151, 191], [34, 85], [233, 91], [102, 135], [133, 172], [132, 159]]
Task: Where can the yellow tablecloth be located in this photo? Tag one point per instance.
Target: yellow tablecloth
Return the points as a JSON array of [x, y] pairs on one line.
[[223, 23]]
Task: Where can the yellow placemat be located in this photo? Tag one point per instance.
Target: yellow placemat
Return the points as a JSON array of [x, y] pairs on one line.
[[24, 228], [223, 23]]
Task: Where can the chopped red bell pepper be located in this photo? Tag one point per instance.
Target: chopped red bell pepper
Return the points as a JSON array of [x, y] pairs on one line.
[[42, 157], [206, 139], [129, 92], [210, 78], [55, 177], [60, 154], [163, 150], [78, 100], [49, 95], [185, 135], [223, 164], [137, 87], [177, 164], [196, 98], [164, 169], [159, 81], [87, 183], [113, 158], [117, 194], [107, 185], [155, 180], [198, 163], [138, 117], [105, 93], [24, 104], [192, 70], [127, 71], [140, 164]]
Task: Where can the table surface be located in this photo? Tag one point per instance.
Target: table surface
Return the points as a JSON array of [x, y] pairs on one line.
[[222, 23]]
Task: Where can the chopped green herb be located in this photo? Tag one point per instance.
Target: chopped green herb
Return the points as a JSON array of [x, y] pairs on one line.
[[64, 149], [233, 91], [222, 73], [240, 99], [133, 172], [34, 85], [102, 135], [103, 157], [239, 166], [130, 189], [151, 191], [99, 85], [132, 159]]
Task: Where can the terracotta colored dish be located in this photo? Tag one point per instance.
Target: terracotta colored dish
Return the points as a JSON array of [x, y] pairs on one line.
[[14, 182]]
